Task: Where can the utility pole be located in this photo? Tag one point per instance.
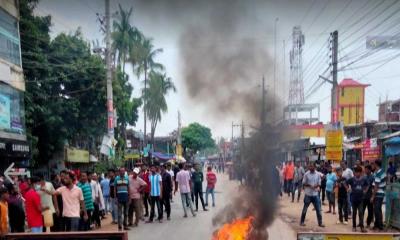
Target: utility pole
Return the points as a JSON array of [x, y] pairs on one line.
[[335, 46], [276, 23], [110, 107], [263, 117]]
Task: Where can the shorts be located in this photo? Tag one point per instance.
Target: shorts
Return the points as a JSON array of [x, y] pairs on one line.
[[331, 197]]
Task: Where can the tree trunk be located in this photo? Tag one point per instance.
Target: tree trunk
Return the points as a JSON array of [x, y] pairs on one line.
[[153, 131]]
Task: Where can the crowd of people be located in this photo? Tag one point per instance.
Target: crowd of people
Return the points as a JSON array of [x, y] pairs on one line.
[[79, 201], [355, 191]]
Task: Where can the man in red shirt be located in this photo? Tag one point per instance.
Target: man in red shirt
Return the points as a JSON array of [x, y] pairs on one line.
[[146, 191], [289, 175], [211, 181], [33, 207]]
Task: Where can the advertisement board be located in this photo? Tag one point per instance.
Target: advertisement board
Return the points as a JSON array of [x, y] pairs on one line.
[[77, 155], [5, 114], [334, 141], [370, 150]]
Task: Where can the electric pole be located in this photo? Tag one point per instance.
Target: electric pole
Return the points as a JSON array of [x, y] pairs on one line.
[[110, 107], [276, 23], [263, 117], [335, 43]]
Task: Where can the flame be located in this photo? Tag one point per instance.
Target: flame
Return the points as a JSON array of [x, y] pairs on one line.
[[237, 230]]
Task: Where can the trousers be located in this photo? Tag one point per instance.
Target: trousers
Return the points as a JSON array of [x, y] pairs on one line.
[[185, 197], [317, 205]]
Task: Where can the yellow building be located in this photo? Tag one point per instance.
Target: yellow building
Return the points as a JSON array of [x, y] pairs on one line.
[[350, 102]]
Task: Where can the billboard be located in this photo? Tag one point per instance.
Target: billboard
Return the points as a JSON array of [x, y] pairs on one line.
[[77, 155], [5, 113], [334, 141]]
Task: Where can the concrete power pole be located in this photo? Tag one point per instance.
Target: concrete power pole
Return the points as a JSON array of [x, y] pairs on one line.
[[110, 107], [335, 46]]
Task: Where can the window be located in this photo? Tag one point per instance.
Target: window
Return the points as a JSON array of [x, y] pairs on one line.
[[12, 111], [9, 38], [342, 111], [342, 92]]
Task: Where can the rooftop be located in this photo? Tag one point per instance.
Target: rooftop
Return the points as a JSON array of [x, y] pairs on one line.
[[349, 82]]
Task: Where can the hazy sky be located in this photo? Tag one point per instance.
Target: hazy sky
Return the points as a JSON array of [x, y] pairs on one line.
[[165, 21]]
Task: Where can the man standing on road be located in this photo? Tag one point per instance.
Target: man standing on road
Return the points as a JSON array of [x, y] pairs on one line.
[[211, 181], [347, 174], [183, 182], [155, 194], [341, 184], [172, 174], [331, 179], [105, 188], [378, 194], [87, 196], [146, 192], [197, 178], [122, 195], [113, 197], [136, 186], [298, 181], [33, 207], [73, 202], [167, 191], [358, 186], [289, 175], [312, 184], [367, 197], [46, 193]]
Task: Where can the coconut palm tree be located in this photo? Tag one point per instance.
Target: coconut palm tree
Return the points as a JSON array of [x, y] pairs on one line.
[[159, 86], [125, 37], [143, 57]]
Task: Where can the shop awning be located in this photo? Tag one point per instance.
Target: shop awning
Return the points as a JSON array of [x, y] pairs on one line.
[[392, 146]]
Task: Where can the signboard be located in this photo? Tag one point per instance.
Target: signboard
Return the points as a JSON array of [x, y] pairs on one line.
[[370, 150], [5, 115], [14, 148], [347, 236], [77, 155], [334, 141], [383, 42]]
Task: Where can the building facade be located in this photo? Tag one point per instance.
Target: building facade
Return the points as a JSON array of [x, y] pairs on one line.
[[13, 142], [350, 102], [389, 111]]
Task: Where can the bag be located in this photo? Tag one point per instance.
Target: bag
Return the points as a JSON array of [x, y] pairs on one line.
[[48, 218]]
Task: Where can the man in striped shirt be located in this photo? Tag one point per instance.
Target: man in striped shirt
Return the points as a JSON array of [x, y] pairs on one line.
[[87, 196], [378, 194], [122, 193], [155, 194]]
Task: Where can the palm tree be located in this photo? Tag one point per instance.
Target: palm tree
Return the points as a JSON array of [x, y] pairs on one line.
[[124, 37], [159, 86], [143, 57]]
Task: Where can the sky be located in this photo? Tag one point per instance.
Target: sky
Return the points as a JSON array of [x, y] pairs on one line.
[[167, 22]]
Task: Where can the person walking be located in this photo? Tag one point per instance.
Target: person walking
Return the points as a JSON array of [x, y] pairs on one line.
[[105, 187], [347, 174], [341, 184], [367, 196], [197, 179], [156, 194], [172, 174], [358, 186], [167, 189], [33, 207], [136, 186], [298, 181], [146, 192], [88, 198], [97, 198], [121, 190], [289, 175], [211, 181], [73, 203], [312, 184], [378, 194], [331, 179], [57, 182], [183, 182]]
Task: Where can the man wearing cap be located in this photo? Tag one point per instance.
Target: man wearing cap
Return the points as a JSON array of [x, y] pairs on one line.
[[136, 186]]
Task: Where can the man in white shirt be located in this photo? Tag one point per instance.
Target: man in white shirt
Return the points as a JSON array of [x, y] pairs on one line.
[[171, 173], [183, 182], [347, 174]]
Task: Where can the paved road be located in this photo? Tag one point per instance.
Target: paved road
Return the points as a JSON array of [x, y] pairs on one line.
[[199, 227]]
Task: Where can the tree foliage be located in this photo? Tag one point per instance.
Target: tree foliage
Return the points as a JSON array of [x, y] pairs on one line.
[[197, 137]]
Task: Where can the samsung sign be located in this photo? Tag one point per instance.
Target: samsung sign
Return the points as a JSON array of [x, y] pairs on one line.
[[14, 148]]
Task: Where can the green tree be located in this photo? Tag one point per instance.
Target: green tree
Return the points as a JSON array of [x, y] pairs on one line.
[[125, 37], [143, 58], [155, 103], [197, 137]]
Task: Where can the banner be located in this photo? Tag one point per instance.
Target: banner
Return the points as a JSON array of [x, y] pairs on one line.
[[334, 142], [5, 115], [77, 155], [370, 150]]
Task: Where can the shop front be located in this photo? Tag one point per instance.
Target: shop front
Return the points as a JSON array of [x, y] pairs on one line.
[[14, 151]]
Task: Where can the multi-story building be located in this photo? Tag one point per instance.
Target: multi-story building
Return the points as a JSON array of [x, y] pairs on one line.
[[389, 111], [350, 102], [13, 143]]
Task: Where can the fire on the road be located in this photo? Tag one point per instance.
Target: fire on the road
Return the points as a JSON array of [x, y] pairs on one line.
[[239, 229]]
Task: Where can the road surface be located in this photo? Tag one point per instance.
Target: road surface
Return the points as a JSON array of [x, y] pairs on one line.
[[200, 227]]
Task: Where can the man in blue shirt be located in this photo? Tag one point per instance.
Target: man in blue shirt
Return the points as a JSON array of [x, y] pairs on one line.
[[331, 179], [378, 194], [122, 194], [155, 180], [105, 188]]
